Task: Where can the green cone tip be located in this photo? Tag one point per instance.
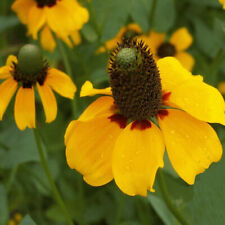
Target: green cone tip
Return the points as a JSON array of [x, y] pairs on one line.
[[30, 60], [126, 57]]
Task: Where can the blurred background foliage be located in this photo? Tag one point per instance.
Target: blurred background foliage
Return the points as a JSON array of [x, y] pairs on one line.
[[23, 186]]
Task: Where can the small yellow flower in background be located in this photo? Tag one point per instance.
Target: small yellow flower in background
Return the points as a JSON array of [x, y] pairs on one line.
[[15, 219], [24, 73], [63, 17], [223, 3], [115, 138], [131, 30], [180, 41]]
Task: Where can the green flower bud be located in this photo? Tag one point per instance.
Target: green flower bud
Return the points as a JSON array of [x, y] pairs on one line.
[[126, 57], [30, 60]]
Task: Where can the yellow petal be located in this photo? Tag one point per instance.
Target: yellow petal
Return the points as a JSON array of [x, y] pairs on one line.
[[89, 147], [48, 101], [7, 90], [154, 40], [134, 27], [61, 83], [36, 20], [103, 105], [201, 100], [181, 39], [137, 155], [172, 73], [11, 60], [221, 87], [25, 108], [75, 36], [47, 39], [186, 60], [22, 8], [88, 90], [192, 145], [5, 72]]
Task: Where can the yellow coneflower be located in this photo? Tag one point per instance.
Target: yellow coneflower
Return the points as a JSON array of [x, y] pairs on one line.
[[180, 40], [129, 31], [116, 136], [223, 3], [63, 17], [24, 73]]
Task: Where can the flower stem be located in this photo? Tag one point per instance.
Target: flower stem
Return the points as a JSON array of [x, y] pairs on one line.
[[68, 71], [56, 193], [168, 201]]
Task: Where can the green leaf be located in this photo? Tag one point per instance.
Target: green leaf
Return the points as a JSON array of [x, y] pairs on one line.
[[3, 206], [164, 15], [7, 22], [205, 38], [162, 210], [208, 204], [140, 11], [20, 147], [89, 33], [27, 220], [116, 16]]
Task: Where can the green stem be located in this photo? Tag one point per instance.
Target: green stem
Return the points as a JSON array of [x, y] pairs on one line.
[[119, 209], [68, 71], [152, 13], [168, 201], [95, 24], [56, 193]]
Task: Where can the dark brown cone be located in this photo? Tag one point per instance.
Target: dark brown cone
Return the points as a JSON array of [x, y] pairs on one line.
[[137, 89]]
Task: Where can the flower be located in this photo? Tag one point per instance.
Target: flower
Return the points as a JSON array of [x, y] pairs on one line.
[[24, 73], [131, 30], [63, 17], [116, 138], [15, 218], [180, 40], [223, 3]]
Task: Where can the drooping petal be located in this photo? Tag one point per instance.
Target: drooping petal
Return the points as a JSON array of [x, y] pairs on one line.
[[186, 60], [47, 39], [89, 146], [192, 145], [22, 8], [201, 100], [181, 39], [137, 156], [88, 90], [103, 105], [4, 72], [36, 20], [11, 60], [24, 109], [75, 36], [61, 83], [7, 90], [48, 101]]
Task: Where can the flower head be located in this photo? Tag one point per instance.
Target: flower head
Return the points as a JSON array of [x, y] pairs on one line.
[[180, 40], [24, 73], [63, 17], [116, 138]]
